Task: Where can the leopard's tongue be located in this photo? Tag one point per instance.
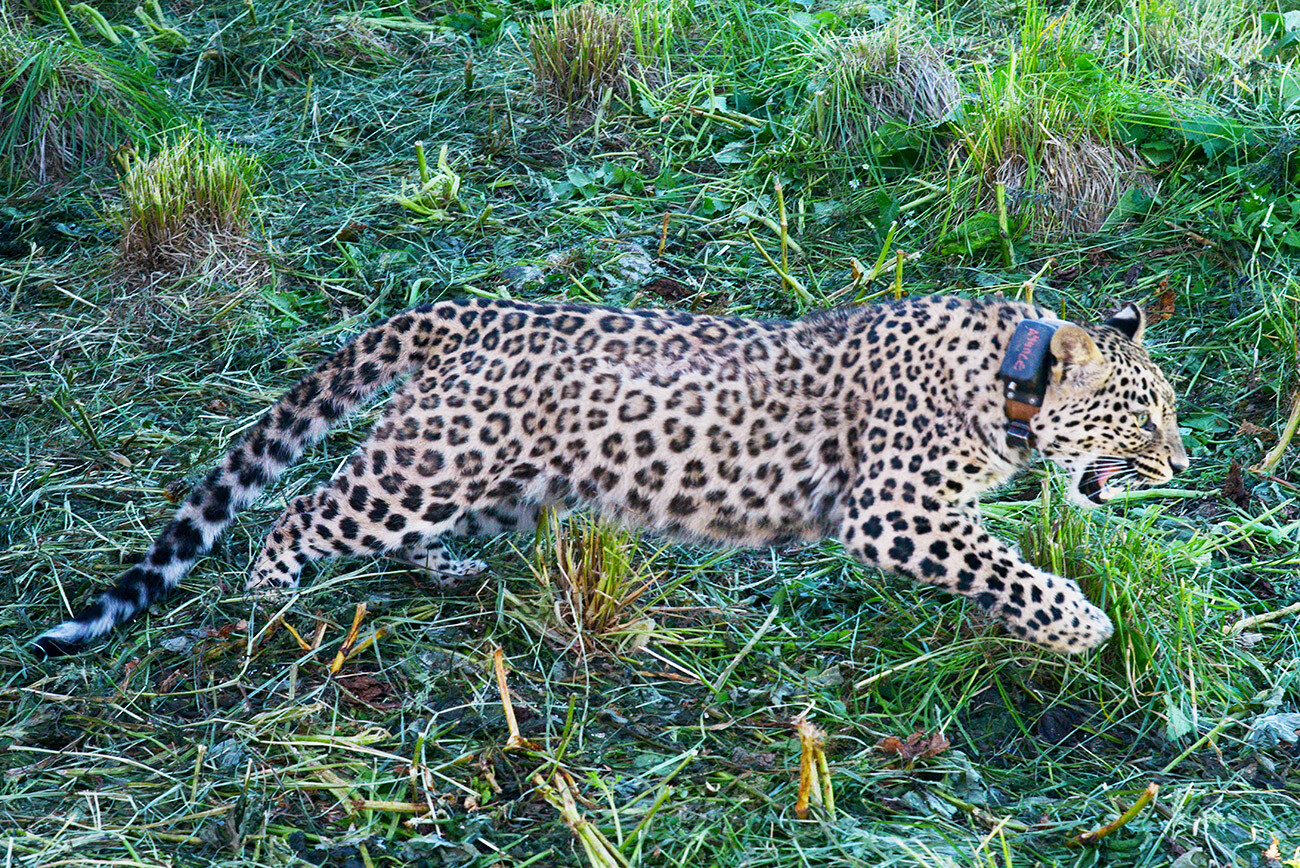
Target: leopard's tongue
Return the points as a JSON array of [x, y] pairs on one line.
[[1092, 484]]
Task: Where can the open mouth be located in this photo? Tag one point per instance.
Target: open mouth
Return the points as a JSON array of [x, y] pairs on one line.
[[1104, 478]]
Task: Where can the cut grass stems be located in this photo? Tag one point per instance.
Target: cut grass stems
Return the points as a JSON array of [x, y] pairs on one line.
[[597, 582], [582, 56]]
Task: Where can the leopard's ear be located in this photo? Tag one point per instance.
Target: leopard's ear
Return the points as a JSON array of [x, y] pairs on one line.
[[1079, 364], [1129, 321]]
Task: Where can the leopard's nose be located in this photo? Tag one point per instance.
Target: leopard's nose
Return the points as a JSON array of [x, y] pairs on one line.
[[1177, 465]]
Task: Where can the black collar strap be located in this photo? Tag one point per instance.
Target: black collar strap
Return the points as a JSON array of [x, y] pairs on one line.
[[1025, 368]]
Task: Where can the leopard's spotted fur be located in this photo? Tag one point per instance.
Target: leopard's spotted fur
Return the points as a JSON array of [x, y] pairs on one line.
[[875, 425]]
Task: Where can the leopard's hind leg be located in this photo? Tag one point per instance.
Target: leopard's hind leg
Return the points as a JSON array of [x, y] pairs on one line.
[[348, 517], [434, 558]]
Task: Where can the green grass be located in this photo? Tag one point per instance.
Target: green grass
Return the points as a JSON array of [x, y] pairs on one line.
[[194, 199], [581, 57], [64, 108], [868, 80], [659, 684], [1046, 128]]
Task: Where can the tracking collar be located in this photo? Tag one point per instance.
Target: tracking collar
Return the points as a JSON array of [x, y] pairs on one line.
[[1025, 368]]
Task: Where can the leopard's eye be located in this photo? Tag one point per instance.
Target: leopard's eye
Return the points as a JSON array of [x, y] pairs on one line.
[[1144, 421]]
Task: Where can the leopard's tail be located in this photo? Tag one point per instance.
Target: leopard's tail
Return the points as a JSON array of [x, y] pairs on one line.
[[298, 420]]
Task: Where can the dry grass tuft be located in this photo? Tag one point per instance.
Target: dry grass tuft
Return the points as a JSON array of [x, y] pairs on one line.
[[1188, 42], [188, 211], [1045, 128], [267, 52], [579, 55], [62, 107], [871, 79], [1070, 184]]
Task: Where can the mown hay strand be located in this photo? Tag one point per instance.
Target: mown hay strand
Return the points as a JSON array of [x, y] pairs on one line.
[[275, 51], [62, 108], [577, 54], [870, 79], [191, 203]]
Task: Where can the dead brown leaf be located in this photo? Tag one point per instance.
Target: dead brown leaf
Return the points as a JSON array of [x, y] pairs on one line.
[[350, 232], [225, 631], [1098, 256], [1250, 429], [367, 690], [1165, 302], [669, 289], [918, 745], [170, 681], [1234, 487], [1131, 276]]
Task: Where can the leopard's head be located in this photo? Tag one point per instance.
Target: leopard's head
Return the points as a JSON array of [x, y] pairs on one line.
[[1108, 415]]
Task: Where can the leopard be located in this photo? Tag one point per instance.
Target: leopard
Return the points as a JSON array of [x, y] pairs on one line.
[[876, 425]]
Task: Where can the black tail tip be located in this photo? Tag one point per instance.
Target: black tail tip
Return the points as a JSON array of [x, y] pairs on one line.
[[46, 648]]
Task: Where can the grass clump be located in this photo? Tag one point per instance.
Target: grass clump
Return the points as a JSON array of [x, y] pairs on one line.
[[1187, 41], [1157, 37], [62, 107], [581, 56], [872, 79], [189, 207], [597, 586], [1044, 132]]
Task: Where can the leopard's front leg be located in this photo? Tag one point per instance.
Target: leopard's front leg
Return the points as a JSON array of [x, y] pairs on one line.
[[939, 544]]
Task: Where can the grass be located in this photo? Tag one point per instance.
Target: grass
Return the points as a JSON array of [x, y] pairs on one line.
[[64, 108], [189, 208], [1046, 131], [589, 571], [1187, 42], [582, 56], [876, 78], [657, 689]]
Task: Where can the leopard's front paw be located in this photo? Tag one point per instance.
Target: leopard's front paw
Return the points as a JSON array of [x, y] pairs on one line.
[[1057, 616], [1082, 627]]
